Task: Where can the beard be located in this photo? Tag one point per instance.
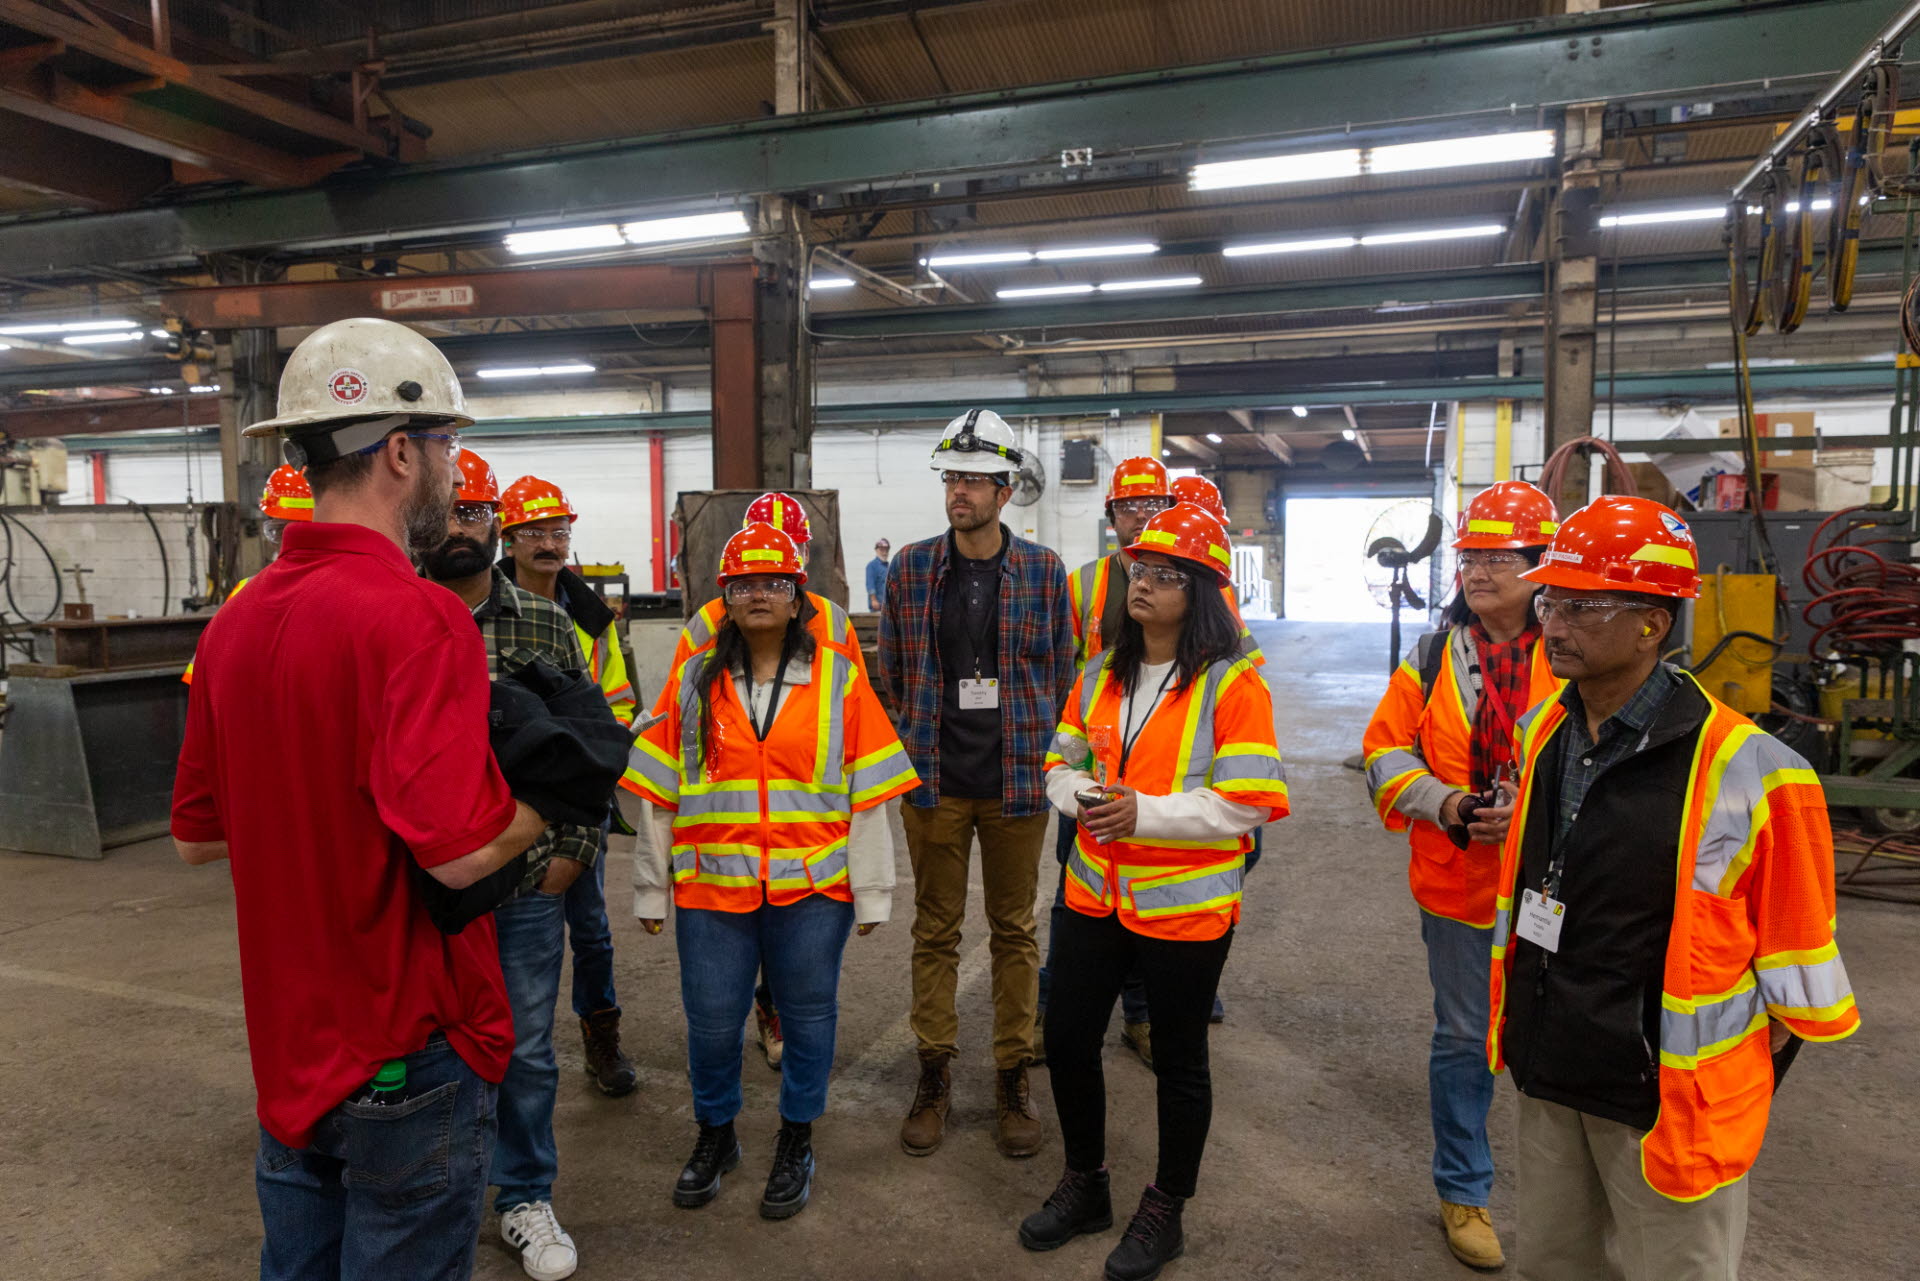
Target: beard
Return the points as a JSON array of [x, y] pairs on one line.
[[460, 557], [427, 510]]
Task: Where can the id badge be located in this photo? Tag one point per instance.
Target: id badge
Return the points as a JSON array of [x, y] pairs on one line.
[[979, 695], [1540, 920]]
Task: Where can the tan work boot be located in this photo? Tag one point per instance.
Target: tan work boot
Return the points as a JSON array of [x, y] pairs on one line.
[[1016, 1126], [1470, 1235], [1138, 1037], [926, 1122]]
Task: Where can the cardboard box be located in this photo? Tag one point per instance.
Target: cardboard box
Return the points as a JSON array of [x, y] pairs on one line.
[[1728, 493], [1798, 423]]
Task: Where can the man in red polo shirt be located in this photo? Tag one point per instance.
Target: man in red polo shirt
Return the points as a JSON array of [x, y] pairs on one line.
[[337, 740]]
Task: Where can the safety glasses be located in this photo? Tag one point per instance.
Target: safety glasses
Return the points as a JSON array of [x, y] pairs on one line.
[[1140, 506], [1582, 614], [746, 589], [969, 480], [1158, 575], [558, 537], [474, 513], [1492, 562]]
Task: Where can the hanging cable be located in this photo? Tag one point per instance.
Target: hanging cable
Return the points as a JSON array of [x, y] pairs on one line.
[[1619, 477], [166, 565], [1791, 287]]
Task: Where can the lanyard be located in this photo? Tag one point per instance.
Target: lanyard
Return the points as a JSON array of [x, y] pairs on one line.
[[762, 728], [974, 622], [1129, 735]]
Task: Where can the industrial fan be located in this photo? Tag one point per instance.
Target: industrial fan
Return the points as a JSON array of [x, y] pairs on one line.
[[1032, 481], [1402, 536]]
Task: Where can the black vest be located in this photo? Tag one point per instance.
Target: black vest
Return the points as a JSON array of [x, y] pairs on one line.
[[1583, 1024]]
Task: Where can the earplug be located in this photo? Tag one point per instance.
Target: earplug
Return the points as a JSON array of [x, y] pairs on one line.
[[1647, 630]]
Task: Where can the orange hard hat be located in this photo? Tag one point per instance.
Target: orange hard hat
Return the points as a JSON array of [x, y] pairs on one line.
[[1621, 544], [1508, 515], [1190, 533], [759, 548], [478, 484], [287, 496], [531, 498], [1138, 478], [1202, 493], [781, 512]]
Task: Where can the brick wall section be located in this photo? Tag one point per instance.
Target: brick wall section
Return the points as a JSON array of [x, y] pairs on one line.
[[118, 545]]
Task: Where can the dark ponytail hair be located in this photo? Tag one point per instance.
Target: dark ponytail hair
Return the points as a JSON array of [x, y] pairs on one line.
[[730, 650], [1456, 613], [1208, 636]]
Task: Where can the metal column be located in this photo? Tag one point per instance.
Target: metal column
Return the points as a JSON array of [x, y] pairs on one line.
[[1572, 282]]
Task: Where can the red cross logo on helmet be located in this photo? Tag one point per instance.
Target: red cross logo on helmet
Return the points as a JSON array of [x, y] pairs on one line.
[[348, 386]]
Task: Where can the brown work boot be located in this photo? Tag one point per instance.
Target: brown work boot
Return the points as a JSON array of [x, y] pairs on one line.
[[607, 1064], [1470, 1235], [1016, 1126], [926, 1122]]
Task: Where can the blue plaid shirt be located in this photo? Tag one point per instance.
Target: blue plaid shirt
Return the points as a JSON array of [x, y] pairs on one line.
[[1036, 662]]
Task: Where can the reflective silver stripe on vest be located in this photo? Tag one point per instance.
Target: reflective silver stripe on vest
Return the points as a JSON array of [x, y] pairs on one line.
[[656, 771], [1088, 874], [733, 804], [1200, 759], [699, 631], [879, 772], [1806, 987], [1187, 895], [1395, 762], [829, 868], [819, 806], [686, 859], [1502, 922], [788, 870], [1710, 1027], [1240, 766], [1729, 829]]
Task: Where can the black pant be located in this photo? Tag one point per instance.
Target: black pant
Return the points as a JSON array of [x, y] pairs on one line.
[[1092, 957]]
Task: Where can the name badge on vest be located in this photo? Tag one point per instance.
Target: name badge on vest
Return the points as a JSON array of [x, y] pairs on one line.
[[1540, 920], [979, 695]]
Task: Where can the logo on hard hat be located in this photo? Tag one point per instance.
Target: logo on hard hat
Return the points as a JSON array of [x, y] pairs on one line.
[[348, 386], [1673, 523]]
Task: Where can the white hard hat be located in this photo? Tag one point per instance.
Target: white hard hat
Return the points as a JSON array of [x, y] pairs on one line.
[[361, 369], [977, 441]]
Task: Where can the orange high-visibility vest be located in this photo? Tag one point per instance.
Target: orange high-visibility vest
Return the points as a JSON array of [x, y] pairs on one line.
[[1087, 590], [768, 821], [830, 627], [1412, 734], [608, 668], [1217, 733], [1752, 937], [186, 677]]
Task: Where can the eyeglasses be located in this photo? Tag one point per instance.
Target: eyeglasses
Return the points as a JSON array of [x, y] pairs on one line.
[[1581, 614], [969, 480], [452, 442], [270, 530], [1141, 506], [1492, 562], [558, 537], [744, 589], [1158, 575]]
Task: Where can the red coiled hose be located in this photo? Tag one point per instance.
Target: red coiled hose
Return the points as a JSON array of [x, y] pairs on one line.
[[1865, 604]]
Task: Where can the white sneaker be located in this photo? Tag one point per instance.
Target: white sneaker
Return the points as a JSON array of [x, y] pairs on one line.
[[546, 1251]]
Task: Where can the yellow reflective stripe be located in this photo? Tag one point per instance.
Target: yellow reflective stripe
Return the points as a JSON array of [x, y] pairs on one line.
[[538, 504], [293, 502], [1549, 526], [1247, 749], [1147, 479], [1809, 956], [1157, 537], [755, 553], [1662, 554], [1503, 527]]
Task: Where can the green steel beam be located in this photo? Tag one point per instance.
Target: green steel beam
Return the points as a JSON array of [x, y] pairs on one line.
[[1483, 77]]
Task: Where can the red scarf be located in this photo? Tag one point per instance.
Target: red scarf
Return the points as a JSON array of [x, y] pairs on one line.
[[1505, 671]]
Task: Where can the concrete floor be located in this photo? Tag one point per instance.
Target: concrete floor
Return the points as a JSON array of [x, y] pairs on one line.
[[127, 1105]]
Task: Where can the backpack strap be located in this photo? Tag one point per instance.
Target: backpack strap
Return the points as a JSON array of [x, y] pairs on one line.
[[1431, 650]]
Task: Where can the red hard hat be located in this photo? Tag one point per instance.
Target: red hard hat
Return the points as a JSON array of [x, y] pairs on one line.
[[531, 498], [1138, 478], [783, 513], [478, 484], [1190, 533], [1621, 544], [1505, 516], [287, 496], [760, 549], [1202, 493]]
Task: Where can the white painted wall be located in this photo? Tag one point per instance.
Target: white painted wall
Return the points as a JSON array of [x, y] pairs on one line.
[[119, 549]]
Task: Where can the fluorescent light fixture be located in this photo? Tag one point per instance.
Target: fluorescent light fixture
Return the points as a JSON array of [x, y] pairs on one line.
[[204, 388], [1435, 233], [82, 340], [1451, 153], [830, 282], [561, 239], [1166, 453], [1097, 251], [70, 327], [1299, 411], [1214, 436], [1044, 291], [707, 226], [1654, 217], [159, 391], [1310, 166], [1793, 206], [1162, 282], [157, 333], [1346, 433], [987, 259], [1290, 246], [534, 371]]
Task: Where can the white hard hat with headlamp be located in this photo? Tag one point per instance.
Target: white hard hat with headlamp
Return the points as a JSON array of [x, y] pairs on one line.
[[350, 384], [978, 441]]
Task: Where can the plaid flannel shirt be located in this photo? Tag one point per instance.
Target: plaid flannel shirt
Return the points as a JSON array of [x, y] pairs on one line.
[[513, 619], [1036, 662]]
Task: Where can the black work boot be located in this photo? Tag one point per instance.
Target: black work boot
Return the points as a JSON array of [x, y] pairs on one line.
[[1080, 1203], [790, 1182], [609, 1067], [1153, 1239], [714, 1153]]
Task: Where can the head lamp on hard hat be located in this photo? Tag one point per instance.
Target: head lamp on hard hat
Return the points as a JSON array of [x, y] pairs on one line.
[[975, 438]]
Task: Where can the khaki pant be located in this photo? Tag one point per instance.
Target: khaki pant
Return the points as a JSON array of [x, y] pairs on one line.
[[940, 847], [1587, 1213]]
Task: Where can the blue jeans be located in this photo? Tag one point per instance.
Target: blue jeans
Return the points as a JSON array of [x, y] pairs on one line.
[[383, 1192], [800, 946], [1133, 993], [592, 939], [532, 944], [1459, 1085]]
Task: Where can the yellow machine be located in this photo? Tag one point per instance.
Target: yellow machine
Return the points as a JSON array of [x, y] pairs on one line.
[[1741, 675]]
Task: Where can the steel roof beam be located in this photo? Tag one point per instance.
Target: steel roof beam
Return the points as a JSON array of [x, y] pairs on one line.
[[1453, 81]]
